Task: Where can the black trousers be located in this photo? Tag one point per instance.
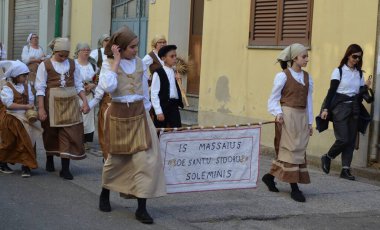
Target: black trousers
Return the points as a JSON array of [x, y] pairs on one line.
[[172, 116], [345, 130], [88, 137]]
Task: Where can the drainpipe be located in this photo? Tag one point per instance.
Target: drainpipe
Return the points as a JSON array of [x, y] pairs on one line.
[[58, 18], [374, 132]]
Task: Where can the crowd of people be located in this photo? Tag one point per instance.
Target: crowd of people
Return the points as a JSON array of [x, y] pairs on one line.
[[55, 96]]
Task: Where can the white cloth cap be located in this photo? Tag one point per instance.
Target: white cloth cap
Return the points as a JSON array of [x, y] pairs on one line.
[[291, 52], [13, 68]]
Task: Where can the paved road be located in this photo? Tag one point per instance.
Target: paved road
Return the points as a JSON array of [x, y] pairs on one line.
[[46, 201]]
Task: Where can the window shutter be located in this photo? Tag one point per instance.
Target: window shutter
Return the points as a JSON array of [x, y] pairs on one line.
[[295, 22], [264, 22]]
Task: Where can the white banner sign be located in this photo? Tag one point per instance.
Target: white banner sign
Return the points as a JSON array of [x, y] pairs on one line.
[[202, 160]]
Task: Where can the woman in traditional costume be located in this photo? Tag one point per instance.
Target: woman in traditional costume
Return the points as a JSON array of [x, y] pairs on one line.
[[291, 103], [18, 135], [133, 167], [58, 83], [88, 74]]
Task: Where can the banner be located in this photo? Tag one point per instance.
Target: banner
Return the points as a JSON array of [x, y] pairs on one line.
[[202, 160]]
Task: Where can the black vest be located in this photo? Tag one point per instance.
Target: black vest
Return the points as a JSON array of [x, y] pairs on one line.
[[164, 93]]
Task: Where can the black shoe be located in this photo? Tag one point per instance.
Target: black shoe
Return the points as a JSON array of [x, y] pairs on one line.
[[298, 196], [143, 217], [326, 162], [104, 203], [50, 165], [25, 172], [5, 169], [66, 175], [346, 174], [269, 182]]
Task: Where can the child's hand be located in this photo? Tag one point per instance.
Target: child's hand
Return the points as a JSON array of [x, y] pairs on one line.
[[160, 117], [85, 108], [42, 114], [30, 106], [324, 114], [279, 118], [116, 52]]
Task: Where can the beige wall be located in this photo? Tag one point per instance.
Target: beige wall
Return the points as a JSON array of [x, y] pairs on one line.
[[236, 81], [158, 22], [81, 23]]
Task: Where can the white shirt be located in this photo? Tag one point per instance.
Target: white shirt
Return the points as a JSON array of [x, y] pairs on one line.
[[7, 96], [86, 71], [156, 85], [108, 82], [30, 52], [94, 54], [148, 60], [274, 106], [350, 83], [61, 68]]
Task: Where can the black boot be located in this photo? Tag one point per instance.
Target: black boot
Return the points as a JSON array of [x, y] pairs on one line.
[[296, 194], [104, 200], [346, 174], [65, 172], [325, 162], [268, 180], [142, 214], [50, 164]]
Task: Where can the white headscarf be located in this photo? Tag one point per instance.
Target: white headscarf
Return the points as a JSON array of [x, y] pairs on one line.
[[29, 37], [60, 44], [291, 52], [13, 68]]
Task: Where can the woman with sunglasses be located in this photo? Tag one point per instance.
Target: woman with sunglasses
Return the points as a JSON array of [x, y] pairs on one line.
[[32, 55], [88, 72], [58, 85], [342, 105]]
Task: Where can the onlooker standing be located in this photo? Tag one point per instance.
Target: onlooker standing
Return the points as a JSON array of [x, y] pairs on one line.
[[3, 52], [32, 55], [152, 60], [98, 54], [87, 72], [343, 104]]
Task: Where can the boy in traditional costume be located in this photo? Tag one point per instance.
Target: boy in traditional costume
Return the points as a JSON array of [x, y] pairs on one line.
[[165, 92], [133, 167]]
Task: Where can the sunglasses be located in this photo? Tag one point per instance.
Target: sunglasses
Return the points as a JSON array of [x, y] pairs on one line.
[[357, 57]]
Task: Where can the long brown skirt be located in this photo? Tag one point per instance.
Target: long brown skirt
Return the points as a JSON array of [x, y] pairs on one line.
[[104, 104], [290, 163], [16, 145], [64, 142]]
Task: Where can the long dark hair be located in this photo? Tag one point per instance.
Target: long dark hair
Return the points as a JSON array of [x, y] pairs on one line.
[[351, 49]]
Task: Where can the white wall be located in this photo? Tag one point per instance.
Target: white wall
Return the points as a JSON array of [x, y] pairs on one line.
[[46, 30]]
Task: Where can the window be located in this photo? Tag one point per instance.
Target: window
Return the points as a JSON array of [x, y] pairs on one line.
[[280, 22]]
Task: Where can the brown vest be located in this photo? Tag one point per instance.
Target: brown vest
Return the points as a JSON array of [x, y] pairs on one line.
[[156, 63], [54, 78], [18, 98], [294, 94]]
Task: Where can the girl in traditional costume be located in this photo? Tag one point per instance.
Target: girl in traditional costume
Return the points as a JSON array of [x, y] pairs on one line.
[[133, 167], [291, 103], [58, 83], [18, 135]]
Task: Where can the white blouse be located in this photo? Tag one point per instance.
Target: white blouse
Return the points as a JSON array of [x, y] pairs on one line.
[[148, 60], [274, 106], [61, 68], [30, 52], [156, 85], [7, 96], [108, 81], [350, 83], [87, 72], [94, 54]]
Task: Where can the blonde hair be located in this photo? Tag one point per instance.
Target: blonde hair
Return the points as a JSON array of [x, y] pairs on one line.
[[156, 39]]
